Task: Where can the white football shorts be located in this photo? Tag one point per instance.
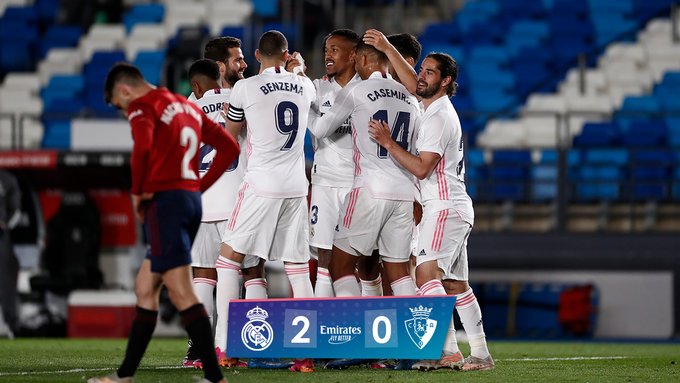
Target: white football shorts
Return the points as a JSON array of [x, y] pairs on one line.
[[367, 223], [270, 228], [206, 247], [443, 238], [324, 211]]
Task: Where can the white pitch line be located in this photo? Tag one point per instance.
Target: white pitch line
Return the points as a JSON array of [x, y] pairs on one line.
[[562, 358], [23, 373]]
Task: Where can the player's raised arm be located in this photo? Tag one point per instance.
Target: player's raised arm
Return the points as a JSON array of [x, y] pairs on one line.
[[407, 75], [226, 147], [420, 166], [326, 124]]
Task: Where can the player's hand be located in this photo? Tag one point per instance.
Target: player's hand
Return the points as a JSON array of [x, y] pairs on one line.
[[224, 111], [295, 61], [379, 132], [139, 206], [377, 39]]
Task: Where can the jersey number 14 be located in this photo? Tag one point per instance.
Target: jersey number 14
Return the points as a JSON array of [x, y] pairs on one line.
[[399, 130]]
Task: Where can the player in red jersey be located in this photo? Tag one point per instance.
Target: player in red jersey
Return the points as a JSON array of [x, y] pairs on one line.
[[167, 131]]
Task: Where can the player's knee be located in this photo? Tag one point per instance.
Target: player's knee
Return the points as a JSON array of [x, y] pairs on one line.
[[455, 287]]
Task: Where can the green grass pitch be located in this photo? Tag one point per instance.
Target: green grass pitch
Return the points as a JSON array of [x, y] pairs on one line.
[[66, 360]]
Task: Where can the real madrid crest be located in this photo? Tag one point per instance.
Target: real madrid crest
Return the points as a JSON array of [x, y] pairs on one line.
[[257, 334]]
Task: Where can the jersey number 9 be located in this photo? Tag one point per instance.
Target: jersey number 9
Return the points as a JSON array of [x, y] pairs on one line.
[[287, 121]]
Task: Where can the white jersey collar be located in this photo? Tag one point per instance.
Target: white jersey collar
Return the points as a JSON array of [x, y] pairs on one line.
[[275, 69], [378, 74]]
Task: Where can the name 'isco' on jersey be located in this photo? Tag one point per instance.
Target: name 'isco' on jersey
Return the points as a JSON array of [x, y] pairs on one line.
[[276, 106], [440, 132], [378, 97], [333, 155], [218, 201]]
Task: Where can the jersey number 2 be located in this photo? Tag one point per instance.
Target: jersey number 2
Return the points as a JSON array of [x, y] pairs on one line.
[[188, 139], [287, 121], [399, 130]]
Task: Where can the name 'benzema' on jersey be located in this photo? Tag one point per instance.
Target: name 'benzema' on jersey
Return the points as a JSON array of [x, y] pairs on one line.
[[282, 86], [276, 105]]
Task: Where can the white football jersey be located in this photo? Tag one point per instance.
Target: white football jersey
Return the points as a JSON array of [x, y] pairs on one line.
[[440, 132], [219, 199], [276, 105], [333, 163], [378, 97]]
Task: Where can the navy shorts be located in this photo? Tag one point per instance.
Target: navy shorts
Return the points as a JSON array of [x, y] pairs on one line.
[[171, 221]]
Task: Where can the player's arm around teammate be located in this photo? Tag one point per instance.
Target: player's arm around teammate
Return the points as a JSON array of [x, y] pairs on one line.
[[404, 70]]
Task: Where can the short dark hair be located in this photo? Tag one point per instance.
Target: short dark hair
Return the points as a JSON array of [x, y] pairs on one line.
[[407, 45], [217, 49], [448, 67], [272, 43], [121, 72], [364, 48], [346, 34], [205, 67]]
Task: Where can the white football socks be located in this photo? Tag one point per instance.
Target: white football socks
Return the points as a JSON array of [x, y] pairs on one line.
[[324, 284], [228, 287], [347, 286], [256, 288], [372, 288], [403, 286], [298, 275], [204, 288], [471, 315]]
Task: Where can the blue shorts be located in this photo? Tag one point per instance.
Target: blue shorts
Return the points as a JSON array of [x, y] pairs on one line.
[[171, 221]]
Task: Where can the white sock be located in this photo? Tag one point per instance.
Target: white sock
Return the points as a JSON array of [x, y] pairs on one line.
[[298, 275], [204, 288], [228, 287], [433, 287], [451, 344], [471, 315], [372, 288], [403, 286], [256, 288], [347, 287], [324, 284]]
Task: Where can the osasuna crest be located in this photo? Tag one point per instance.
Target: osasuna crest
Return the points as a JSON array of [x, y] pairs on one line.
[[257, 334], [420, 328]]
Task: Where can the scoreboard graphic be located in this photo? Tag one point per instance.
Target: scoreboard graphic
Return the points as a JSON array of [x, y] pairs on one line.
[[365, 328]]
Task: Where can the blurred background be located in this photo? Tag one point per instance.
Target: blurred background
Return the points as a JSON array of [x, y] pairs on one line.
[[570, 109]]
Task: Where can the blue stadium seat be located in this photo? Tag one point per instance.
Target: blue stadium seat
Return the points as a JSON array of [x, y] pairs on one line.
[[475, 158], [598, 134], [150, 63], [59, 36], [57, 134], [266, 8], [606, 191], [238, 32], [26, 15], [143, 13], [653, 157], [441, 33], [673, 124], [641, 104], [618, 157], [646, 134]]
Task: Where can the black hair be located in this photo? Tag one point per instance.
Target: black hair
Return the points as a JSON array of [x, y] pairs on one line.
[[205, 67], [407, 45], [272, 43], [346, 34], [368, 49], [121, 72], [448, 67], [218, 49]]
